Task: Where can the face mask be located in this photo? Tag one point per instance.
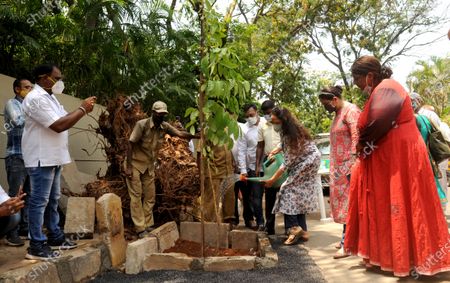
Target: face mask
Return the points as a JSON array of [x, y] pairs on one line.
[[158, 119], [58, 87], [330, 108], [23, 93], [277, 127], [268, 117], [252, 120]]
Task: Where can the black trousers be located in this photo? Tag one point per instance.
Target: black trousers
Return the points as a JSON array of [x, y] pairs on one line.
[[246, 201], [270, 197]]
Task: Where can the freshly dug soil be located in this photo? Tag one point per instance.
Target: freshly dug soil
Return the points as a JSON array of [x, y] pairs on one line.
[[194, 249]]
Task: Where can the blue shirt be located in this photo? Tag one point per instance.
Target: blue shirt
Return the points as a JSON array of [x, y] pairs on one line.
[[14, 124]]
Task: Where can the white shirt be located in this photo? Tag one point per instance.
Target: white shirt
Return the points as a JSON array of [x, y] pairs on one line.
[[234, 150], [39, 142], [432, 116], [269, 136], [3, 195], [247, 144]]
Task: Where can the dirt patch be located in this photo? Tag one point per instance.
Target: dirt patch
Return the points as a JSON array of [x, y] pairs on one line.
[[194, 249]]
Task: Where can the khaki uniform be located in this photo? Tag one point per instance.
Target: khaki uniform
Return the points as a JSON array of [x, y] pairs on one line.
[[221, 168], [146, 139]]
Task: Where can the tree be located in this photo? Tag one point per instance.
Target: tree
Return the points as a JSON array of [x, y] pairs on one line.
[[343, 30], [432, 82], [103, 47]]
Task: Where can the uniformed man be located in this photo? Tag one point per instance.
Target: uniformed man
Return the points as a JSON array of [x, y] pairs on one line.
[[145, 140]]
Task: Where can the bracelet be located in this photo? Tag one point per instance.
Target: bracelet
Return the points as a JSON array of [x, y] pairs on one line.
[[83, 109]]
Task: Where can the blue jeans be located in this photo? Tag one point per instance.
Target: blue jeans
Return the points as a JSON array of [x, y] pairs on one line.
[[43, 206], [17, 176], [257, 192], [8, 224]]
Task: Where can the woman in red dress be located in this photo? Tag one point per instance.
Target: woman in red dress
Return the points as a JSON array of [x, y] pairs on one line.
[[394, 220]]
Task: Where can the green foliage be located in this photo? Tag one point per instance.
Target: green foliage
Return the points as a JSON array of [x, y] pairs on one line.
[[224, 86], [432, 82], [103, 48], [385, 29]]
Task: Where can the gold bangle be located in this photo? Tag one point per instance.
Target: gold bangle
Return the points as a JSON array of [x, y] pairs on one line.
[[83, 109]]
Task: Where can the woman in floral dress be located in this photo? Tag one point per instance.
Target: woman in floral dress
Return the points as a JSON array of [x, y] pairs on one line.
[[343, 141], [298, 194]]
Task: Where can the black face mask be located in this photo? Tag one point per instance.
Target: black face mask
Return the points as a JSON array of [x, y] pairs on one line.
[[158, 119], [330, 108]]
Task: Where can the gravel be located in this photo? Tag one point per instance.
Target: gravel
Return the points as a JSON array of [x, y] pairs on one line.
[[294, 265]]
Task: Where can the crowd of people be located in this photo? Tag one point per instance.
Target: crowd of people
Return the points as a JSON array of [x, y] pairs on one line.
[[386, 187]]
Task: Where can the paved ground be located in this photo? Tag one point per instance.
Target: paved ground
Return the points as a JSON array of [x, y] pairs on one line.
[[295, 265], [14, 257], [308, 262], [321, 249]]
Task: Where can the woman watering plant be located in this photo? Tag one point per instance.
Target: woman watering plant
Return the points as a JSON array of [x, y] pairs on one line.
[[297, 195]]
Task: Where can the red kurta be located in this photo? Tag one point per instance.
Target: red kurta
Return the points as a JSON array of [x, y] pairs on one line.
[[395, 219]]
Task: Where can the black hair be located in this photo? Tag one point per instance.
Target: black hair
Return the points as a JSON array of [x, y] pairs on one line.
[[44, 69], [17, 83], [293, 131], [250, 105], [365, 64], [328, 93], [268, 104]]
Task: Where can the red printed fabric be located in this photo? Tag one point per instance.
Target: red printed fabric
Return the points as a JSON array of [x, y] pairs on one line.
[[343, 140], [395, 219]]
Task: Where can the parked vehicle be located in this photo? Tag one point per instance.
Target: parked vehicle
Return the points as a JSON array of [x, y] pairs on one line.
[[323, 144]]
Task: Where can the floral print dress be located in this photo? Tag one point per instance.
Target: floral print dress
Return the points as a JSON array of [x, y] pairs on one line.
[[298, 194], [343, 140]]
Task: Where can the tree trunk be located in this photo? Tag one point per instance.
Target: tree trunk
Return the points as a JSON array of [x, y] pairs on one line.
[[201, 103]]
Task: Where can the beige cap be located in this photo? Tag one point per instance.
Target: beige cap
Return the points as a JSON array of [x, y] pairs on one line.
[[159, 107]]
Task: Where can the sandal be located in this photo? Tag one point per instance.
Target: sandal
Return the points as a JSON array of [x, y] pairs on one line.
[[341, 254], [294, 234], [305, 236]]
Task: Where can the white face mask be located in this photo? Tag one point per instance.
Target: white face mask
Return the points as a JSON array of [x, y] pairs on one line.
[[252, 120], [58, 87], [277, 127], [268, 117]]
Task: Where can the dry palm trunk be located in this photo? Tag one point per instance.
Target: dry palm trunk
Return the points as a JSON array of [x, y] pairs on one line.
[[176, 175]]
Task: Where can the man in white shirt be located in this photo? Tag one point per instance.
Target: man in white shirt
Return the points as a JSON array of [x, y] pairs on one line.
[[247, 162], [240, 187], [45, 149], [268, 140]]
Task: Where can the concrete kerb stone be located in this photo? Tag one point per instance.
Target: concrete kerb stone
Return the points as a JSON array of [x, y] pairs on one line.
[[167, 235], [191, 231], [80, 217], [168, 261], [138, 252], [110, 224], [85, 264], [229, 263], [244, 239], [42, 272], [268, 257]]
